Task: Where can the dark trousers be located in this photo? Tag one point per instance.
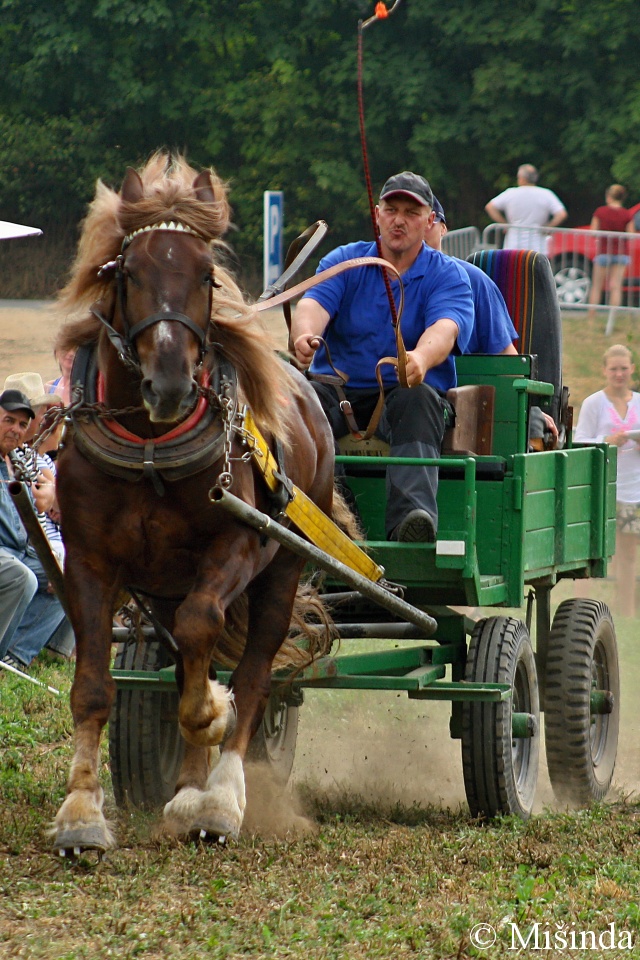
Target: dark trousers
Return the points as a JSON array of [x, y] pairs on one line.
[[412, 423]]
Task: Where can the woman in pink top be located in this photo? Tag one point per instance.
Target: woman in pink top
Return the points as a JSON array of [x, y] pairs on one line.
[[612, 416], [612, 257]]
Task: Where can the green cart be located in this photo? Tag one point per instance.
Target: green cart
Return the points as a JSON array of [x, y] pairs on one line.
[[513, 522]]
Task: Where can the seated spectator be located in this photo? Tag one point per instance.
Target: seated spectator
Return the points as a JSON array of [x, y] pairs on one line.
[[493, 331], [30, 384], [42, 619], [62, 384]]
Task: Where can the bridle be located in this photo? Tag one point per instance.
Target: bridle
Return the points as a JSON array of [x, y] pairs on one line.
[[124, 343]]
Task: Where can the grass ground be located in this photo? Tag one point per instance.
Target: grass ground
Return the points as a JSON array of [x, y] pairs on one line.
[[372, 854]]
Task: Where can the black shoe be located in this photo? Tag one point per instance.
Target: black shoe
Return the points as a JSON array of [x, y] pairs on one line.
[[417, 527]]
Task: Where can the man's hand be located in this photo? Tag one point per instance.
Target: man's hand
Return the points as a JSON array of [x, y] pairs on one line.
[[434, 346], [309, 322], [44, 491], [305, 346], [416, 367]]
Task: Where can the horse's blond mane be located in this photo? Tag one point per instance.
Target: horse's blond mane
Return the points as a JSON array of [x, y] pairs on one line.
[[168, 194]]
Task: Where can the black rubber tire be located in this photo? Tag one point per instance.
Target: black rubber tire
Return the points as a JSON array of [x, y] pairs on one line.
[[145, 744], [500, 773], [582, 656], [274, 742]]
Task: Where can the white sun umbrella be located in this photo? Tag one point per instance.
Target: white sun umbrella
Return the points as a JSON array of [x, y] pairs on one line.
[[9, 231]]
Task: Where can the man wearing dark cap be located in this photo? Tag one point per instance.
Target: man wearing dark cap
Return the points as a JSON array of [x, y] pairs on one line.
[[493, 331], [34, 616], [352, 313]]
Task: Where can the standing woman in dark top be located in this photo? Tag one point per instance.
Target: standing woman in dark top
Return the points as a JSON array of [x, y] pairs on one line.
[[612, 253]]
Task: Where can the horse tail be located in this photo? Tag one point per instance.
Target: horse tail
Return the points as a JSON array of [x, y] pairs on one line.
[[344, 517], [311, 632]]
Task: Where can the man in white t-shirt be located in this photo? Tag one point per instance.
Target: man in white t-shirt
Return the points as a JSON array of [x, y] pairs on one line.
[[529, 208]]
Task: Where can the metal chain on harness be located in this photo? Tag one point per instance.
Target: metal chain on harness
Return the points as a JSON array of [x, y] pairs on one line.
[[230, 414], [79, 407]]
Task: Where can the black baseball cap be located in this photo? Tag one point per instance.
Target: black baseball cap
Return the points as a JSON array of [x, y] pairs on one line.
[[439, 210], [15, 400], [410, 184]]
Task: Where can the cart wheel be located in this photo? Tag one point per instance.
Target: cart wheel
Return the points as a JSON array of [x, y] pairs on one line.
[[501, 771], [582, 701], [145, 743], [274, 742]]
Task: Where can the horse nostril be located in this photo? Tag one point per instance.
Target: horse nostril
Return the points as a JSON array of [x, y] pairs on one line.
[[148, 393], [193, 393]]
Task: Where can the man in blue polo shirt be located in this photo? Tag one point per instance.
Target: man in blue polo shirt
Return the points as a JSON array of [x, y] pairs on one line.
[[352, 313], [493, 331]]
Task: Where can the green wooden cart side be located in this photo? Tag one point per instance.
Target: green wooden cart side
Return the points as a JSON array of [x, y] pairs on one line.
[[510, 526]]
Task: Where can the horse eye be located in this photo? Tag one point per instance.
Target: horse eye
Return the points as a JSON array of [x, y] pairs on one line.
[[131, 278]]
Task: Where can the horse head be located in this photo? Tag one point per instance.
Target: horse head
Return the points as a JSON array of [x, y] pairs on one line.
[[163, 304]]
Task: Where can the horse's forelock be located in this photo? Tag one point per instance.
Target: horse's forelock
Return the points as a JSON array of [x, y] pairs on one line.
[[168, 194]]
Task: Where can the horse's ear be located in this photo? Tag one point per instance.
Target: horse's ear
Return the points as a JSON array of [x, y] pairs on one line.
[[131, 190], [203, 187]]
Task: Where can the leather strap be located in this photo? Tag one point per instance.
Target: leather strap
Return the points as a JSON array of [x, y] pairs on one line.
[[400, 363]]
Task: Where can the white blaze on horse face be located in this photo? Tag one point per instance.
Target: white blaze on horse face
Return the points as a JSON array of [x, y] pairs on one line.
[[165, 330]]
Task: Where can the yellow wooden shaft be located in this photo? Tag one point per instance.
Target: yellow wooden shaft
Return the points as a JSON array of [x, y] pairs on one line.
[[308, 517]]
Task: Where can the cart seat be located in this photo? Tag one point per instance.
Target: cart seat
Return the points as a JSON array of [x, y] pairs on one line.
[[472, 431], [526, 282]]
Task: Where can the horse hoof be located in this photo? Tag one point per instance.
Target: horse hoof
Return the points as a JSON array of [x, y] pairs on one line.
[[207, 837], [73, 841]]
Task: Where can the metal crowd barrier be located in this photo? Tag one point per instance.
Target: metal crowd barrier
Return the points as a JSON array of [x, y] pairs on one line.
[[596, 271], [461, 243]]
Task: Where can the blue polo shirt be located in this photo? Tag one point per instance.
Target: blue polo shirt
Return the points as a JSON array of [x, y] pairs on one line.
[[360, 330], [493, 330]]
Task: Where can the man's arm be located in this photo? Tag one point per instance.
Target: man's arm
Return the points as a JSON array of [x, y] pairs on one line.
[[309, 320], [559, 218], [433, 348], [495, 214]]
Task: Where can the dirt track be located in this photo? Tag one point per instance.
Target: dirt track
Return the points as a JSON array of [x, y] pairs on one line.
[[27, 329]]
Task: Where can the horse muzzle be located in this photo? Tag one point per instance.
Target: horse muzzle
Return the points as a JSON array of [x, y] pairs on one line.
[[166, 404]]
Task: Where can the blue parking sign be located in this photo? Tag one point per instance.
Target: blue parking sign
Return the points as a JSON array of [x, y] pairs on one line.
[[273, 230]]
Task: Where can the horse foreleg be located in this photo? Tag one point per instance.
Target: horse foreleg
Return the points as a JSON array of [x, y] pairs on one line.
[[219, 810], [80, 823]]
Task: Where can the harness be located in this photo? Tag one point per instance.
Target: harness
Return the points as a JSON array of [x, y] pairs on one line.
[[200, 441], [189, 448]]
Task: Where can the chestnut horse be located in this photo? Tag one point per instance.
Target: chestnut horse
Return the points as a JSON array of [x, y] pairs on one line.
[[166, 321]]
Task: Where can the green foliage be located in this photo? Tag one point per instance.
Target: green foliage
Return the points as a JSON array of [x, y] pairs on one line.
[[266, 93]]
